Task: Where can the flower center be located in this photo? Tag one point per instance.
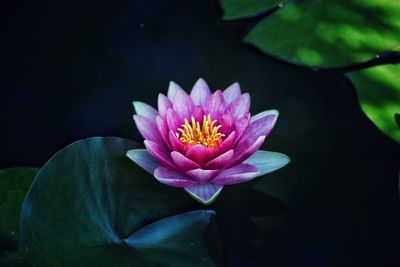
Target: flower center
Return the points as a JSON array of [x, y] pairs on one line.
[[205, 134]]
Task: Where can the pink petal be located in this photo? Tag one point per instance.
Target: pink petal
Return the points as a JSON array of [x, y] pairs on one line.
[[163, 130], [220, 162], [147, 128], [172, 178], [176, 145], [183, 105], [241, 127], [145, 110], [238, 174], [173, 120], [198, 114], [183, 163], [240, 106], [226, 123], [231, 93], [172, 90], [159, 153], [199, 154], [200, 93], [226, 144], [262, 123], [205, 193], [246, 149], [202, 176], [163, 105], [215, 105]]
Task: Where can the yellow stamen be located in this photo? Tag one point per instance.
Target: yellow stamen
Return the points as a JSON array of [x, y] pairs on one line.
[[205, 134]]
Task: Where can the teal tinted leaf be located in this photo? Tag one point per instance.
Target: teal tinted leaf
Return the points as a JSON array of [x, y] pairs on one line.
[[378, 90], [327, 33], [235, 9], [174, 233], [14, 183], [91, 206]]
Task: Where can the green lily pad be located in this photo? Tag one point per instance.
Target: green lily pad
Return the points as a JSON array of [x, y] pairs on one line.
[[14, 183], [235, 9], [327, 33], [91, 206], [378, 90]]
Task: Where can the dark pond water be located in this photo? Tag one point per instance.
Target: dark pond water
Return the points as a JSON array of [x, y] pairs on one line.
[[72, 68]]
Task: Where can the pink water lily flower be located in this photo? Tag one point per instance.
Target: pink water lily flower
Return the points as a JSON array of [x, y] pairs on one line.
[[203, 141]]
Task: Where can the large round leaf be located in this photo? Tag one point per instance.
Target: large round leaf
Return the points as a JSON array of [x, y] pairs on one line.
[[14, 183], [91, 206], [378, 90], [329, 33]]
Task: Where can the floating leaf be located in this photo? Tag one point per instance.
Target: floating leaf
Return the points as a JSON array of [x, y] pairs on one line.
[[235, 9], [378, 90], [327, 33], [90, 206], [14, 183]]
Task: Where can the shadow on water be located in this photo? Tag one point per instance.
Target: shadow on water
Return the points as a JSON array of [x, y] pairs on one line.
[[73, 68]]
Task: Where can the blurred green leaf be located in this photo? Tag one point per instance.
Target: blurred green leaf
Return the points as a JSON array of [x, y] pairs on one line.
[[14, 183], [235, 9], [91, 206], [378, 90], [325, 33]]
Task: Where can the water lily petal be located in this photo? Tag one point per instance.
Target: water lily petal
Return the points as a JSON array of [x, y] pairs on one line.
[[142, 158], [173, 120], [215, 105], [200, 92], [183, 105], [204, 193], [246, 149], [145, 110], [240, 106], [147, 128], [176, 145], [184, 164], [163, 104], [226, 123], [237, 174], [262, 123], [172, 178], [199, 154], [159, 153], [201, 175], [231, 93], [241, 127], [226, 144], [221, 161], [198, 114], [172, 89], [267, 161], [163, 130]]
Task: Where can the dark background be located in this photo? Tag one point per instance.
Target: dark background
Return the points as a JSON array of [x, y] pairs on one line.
[[70, 70]]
